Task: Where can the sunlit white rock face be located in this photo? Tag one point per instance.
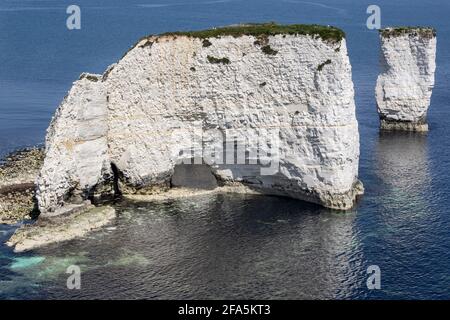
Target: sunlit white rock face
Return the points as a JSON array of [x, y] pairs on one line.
[[404, 87], [172, 97], [77, 161]]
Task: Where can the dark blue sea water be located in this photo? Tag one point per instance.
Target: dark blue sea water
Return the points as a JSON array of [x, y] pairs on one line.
[[235, 246]]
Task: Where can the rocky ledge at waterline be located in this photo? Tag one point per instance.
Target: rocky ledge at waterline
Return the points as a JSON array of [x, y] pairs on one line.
[[405, 85], [81, 220], [18, 174], [264, 84]]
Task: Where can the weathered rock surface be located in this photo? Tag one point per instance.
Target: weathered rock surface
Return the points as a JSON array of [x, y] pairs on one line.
[[17, 184], [76, 163], [405, 85], [284, 91], [62, 228]]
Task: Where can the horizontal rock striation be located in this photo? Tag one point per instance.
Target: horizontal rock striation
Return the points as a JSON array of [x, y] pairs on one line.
[[284, 93], [406, 81]]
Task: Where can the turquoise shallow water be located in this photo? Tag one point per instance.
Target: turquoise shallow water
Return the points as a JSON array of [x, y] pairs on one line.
[[234, 246]]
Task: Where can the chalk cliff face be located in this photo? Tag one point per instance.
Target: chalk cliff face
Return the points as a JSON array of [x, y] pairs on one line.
[[404, 87], [76, 163], [284, 99]]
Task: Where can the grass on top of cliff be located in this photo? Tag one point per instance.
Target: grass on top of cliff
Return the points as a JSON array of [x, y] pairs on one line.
[[426, 32], [327, 33]]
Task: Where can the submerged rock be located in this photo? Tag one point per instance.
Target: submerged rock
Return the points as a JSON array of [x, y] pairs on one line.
[[17, 184], [285, 92], [62, 228], [26, 262], [405, 85]]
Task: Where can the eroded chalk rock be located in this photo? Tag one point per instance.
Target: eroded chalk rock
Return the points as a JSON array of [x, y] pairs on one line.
[[283, 92], [76, 165], [405, 85]]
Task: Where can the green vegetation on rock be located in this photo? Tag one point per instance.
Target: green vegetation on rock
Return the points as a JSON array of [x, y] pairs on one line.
[[90, 77], [320, 66], [327, 33], [426, 32], [218, 60], [259, 30], [268, 50], [206, 43]]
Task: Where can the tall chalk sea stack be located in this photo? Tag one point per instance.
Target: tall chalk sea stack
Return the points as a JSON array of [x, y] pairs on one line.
[[404, 87], [265, 84]]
